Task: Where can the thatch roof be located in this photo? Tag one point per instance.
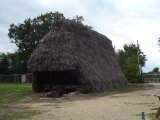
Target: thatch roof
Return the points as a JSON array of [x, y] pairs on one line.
[[73, 46]]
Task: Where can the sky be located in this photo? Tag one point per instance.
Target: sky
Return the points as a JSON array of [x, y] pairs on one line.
[[122, 21]]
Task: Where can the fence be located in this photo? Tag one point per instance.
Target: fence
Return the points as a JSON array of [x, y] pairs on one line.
[[16, 78], [152, 78], [11, 78]]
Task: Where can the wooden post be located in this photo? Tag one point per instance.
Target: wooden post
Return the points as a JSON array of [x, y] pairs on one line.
[[143, 116], [138, 57]]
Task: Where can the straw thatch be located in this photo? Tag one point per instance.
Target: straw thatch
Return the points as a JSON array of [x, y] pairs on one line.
[[73, 46]]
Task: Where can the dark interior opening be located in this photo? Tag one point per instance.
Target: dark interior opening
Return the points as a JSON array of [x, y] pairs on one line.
[[67, 80]]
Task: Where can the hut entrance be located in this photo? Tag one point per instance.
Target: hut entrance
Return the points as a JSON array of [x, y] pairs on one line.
[[56, 80]]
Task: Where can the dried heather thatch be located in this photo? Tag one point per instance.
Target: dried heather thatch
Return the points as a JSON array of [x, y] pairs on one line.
[[73, 46]]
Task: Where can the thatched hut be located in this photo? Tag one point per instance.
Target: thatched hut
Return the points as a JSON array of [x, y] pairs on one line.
[[73, 54]]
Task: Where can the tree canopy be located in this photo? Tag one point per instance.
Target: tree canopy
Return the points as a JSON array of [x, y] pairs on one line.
[[156, 69], [4, 64], [128, 60]]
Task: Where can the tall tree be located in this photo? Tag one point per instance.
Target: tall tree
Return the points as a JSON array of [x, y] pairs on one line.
[[4, 64], [156, 69], [128, 60], [16, 65], [27, 35]]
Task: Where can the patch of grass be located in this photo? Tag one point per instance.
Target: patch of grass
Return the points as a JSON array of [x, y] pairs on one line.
[[145, 103], [132, 87], [9, 95], [12, 92], [152, 116], [138, 114], [155, 108], [20, 114], [146, 95]]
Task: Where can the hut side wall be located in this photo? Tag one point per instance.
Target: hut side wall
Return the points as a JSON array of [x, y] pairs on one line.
[[98, 62]]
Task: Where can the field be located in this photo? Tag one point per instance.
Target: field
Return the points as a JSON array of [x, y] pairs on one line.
[[10, 94], [17, 102]]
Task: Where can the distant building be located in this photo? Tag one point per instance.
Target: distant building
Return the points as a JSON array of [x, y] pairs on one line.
[[152, 77]]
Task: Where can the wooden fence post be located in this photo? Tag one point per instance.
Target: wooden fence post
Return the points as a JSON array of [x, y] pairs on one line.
[[143, 116]]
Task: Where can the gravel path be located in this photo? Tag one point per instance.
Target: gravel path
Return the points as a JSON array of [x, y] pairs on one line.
[[121, 106]]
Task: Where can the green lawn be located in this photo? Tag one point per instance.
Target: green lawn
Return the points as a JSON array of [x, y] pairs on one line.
[[10, 93], [12, 115]]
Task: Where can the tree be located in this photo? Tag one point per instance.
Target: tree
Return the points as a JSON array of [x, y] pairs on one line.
[[4, 64], [27, 35], [16, 65], [78, 18], [129, 62], [156, 69]]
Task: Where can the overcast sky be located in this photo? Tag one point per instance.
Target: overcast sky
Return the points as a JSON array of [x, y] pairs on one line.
[[122, 21]]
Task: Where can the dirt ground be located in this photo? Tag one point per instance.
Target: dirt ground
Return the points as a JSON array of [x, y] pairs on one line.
[[120, 106]]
